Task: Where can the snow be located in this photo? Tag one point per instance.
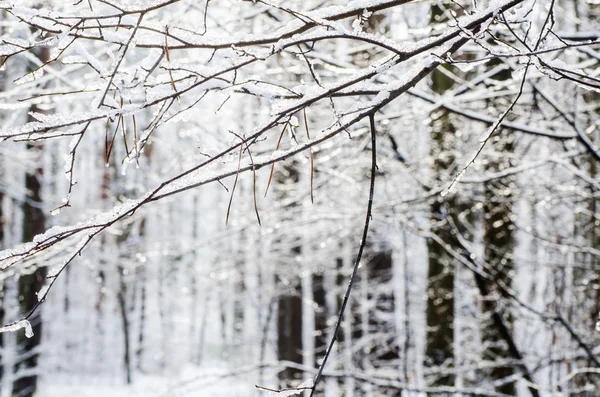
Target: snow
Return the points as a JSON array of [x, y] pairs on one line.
[[191, 382], [25, 11], [53, 121], [470, 65], [262, 90], [94, 62], [115, 37], [41, 294], [17, 326], [30, 77]]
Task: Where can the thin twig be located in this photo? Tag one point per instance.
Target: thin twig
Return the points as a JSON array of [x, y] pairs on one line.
[[245, 141], [361, 248], [283, 390], [312, 160], [170, 69], [237, 174], [273, 165]]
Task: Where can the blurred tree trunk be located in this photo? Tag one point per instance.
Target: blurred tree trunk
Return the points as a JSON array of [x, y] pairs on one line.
[[139, 352], [141, 279], [122, 299], [499, 246], [440, 296], [289, 332], [34, 222], [334, 386], [112, 186], [439, 350], [320, 316], [29, 284], [384, 354], [289, 303]]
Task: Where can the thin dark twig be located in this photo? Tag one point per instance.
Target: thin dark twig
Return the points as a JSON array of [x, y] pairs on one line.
[[254, 185], [237, 174], [243, 138], [361, 248], [579, 341], [273, 165], [312, 160], [282, 390], [170, 69]]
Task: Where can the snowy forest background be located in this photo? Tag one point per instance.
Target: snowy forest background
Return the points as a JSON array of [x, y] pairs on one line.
[[184, 186]]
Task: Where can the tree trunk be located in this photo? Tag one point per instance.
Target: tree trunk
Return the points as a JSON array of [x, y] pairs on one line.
[[29, 285], [139, 353], [439, 349], [384, 353], [320, 316], [499, 244], [34, 222], [122, 299], [289, 327], [289, 330], [289, 304]]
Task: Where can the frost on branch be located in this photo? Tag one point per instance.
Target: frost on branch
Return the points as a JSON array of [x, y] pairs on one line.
[[17, 326]]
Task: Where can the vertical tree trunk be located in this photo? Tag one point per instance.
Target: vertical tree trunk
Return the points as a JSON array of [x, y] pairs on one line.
[[289, 330], [34, 222], [122, 299], [139, 353], [289, 303], [499, 245], [320, 316], [140, 274], [439, 349], [194, 292], [343, 338], [29, 284], [384, 352]]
